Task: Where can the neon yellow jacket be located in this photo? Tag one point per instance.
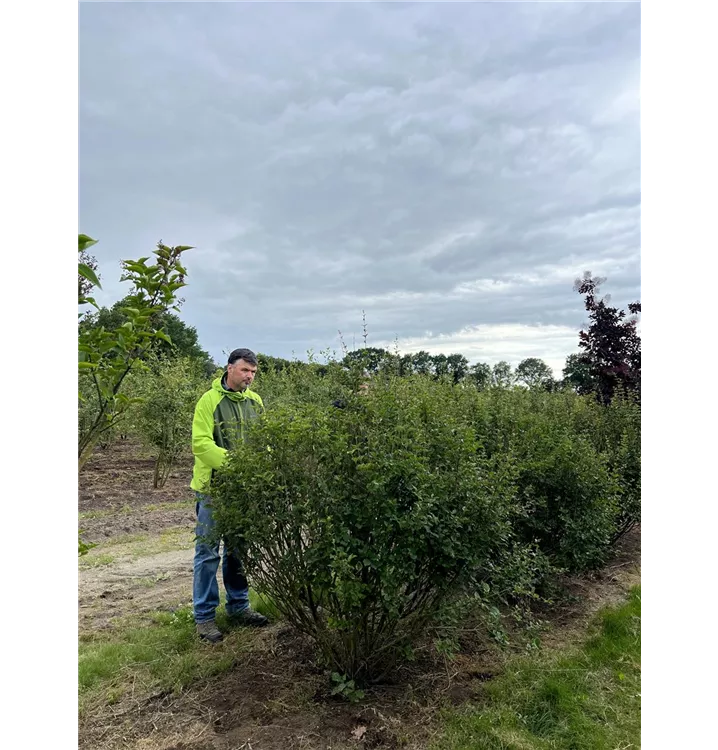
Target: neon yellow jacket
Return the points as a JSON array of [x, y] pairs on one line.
[[219, 423]]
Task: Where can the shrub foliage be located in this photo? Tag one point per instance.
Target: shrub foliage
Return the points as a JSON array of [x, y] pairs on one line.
[[361, 521]]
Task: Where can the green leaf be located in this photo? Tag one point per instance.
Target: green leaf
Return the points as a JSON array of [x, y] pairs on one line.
[[86, 272], [87, 301], [162, 335], [106, 345], [84, 242], [87, 365], [136, 267]]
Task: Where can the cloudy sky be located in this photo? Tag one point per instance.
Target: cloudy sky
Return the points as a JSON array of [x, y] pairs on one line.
[[449, 168]]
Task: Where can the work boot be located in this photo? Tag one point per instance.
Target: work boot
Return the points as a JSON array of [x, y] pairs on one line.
[[208, 631], [248, 617]]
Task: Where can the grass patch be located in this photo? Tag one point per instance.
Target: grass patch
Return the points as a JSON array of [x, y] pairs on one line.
[[95, 561], [177, 505], [149, 582], [264, 605], [104, 512], [127, 509], [124, 539], [585, 699], [168, 540], [167, 655], [134, 546], [164, 655]]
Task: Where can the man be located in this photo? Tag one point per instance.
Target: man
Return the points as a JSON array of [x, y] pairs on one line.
[[220, 419]]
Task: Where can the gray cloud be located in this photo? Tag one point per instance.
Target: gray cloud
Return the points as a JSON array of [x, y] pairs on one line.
[[441, 166]]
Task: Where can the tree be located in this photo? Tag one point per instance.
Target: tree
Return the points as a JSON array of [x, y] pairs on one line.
[[269, 363], [502, 375], [577, 374], [440, 365], [107, 357], [551, 385], [611, 343], [390, 364], [458, 367], [185, 343], [421, 362], [533, 372], [406, 366], [480, 375], [370, 358], [184, 339]]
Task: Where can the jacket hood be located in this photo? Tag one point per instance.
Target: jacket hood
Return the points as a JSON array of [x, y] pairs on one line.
[[234, 395]]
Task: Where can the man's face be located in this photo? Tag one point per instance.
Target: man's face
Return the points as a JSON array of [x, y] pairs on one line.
[[240, 375]]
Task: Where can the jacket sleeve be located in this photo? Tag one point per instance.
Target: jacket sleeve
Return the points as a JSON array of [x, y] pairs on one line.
[[203, 446]]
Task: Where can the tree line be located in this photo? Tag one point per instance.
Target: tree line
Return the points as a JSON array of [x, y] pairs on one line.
[[609, 356]]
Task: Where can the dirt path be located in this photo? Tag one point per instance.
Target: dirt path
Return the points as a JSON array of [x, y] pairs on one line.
[[144, 537], [147, 584]]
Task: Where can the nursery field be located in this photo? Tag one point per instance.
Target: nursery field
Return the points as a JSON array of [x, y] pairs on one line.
[[448, 554], [146, 682]]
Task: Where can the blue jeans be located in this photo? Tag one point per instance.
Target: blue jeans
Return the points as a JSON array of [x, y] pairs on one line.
[[205, 590]]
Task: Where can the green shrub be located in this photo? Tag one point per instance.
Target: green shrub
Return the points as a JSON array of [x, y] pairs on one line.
[[294, 383], [169, 390], [571, 501], [620, 441], [571, 479], [359, 521]]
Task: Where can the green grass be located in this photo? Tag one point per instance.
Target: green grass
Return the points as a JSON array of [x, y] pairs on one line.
[[104, 512], [122, 539], [177, 505], [585, 699], [166, 655], [95, 561], [168, 540], [264, 605]]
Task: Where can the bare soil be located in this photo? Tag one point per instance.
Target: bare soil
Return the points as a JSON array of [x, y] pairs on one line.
[[276, 697], [120, 478]]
